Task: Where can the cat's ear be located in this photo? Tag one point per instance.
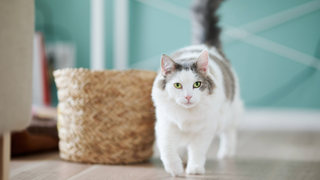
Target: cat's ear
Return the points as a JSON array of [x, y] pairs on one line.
[[167, 65], [203, 61]]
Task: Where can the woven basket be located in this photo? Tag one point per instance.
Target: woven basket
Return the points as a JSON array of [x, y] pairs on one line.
[[105, 117]]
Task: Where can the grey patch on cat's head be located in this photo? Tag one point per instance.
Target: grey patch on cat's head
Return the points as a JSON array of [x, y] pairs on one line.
[[169, 75], [186, 64], [206, 82], [163, 82]]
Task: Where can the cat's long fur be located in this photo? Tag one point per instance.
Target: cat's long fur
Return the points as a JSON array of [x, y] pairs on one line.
[[191, 116]]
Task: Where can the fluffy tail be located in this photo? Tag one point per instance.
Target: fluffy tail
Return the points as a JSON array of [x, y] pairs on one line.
[[205, 28]]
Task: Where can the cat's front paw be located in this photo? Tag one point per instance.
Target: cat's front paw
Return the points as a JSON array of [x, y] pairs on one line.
[[195, 169], [174, 168]]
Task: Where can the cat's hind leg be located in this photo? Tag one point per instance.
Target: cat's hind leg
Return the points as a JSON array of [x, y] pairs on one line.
[[228, 143], [228, 138]]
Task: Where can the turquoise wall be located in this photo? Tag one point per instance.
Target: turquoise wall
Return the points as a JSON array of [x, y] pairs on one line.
[[62, 20], [162, 26], [68, 21]]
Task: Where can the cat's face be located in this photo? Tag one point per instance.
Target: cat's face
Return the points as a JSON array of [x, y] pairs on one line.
[[187, 82], [184, 88]]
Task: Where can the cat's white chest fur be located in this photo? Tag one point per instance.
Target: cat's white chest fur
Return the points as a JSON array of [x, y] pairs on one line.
[[191, 120]]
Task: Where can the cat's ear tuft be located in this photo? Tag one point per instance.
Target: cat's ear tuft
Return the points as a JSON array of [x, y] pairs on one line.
[[167, 65], [203, 61]]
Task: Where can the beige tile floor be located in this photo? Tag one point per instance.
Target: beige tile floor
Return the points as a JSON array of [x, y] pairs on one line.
[[270, 155]]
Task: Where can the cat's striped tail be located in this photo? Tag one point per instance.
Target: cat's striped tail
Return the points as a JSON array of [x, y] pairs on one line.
[[205, 22]]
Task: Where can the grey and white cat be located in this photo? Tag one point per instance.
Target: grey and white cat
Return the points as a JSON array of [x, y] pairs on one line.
[[196, 95]]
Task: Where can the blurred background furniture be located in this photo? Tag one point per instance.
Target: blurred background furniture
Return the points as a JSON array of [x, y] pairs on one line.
[[16, 47]]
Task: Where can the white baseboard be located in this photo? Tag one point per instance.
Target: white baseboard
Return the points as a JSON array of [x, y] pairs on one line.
[[281, 119]]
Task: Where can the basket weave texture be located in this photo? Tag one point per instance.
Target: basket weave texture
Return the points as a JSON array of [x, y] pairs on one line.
[[105, 117]]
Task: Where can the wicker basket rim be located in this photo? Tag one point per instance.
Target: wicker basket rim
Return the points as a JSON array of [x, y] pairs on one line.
[[85, 70]]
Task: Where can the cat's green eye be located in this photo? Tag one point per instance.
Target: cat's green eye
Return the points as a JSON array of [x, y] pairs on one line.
[[177, 85], [197, 84]]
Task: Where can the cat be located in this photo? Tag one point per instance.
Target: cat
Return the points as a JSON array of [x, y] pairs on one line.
[[196, 97]]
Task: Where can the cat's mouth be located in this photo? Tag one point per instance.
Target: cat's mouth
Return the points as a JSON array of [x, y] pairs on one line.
[[188, 104]]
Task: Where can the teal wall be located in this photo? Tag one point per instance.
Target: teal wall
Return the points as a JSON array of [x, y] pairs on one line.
[[62, 20], [266, 79]]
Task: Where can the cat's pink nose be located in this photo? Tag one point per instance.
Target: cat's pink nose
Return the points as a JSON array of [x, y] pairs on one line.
[[188, 97]]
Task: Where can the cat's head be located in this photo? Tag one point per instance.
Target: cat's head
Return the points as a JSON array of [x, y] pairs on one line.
[[187, 81]]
